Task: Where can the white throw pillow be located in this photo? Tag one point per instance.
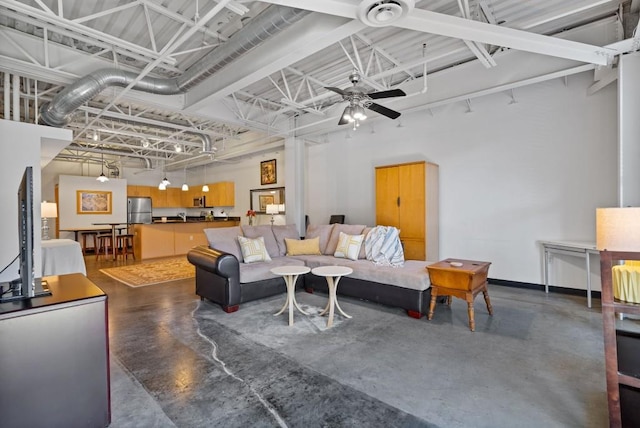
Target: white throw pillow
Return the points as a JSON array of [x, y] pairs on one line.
[[253, 250], [348, 246]]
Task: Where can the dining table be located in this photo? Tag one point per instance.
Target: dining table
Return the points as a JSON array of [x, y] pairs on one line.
[[114, 227]]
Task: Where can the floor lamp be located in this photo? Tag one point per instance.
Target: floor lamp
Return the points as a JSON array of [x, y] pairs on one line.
[[47, 210]]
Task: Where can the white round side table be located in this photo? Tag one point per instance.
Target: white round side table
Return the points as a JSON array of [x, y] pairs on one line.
[[332, 274], [290, 275]]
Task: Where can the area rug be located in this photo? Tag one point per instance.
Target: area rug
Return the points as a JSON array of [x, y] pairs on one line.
[[144, 274]]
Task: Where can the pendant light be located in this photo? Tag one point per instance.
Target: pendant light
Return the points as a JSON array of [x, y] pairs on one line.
[[185, 186], [205, 186], [102, 178]]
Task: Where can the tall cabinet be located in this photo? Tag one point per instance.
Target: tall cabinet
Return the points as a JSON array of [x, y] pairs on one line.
[[407, 198]]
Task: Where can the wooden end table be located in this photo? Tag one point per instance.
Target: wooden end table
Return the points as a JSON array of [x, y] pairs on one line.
[[459, 278], [290, 275]]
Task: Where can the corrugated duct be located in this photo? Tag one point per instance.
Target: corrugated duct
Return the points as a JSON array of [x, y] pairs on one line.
[[270, 22]]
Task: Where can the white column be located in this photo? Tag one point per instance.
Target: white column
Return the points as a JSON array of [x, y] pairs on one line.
[[294, 158], [16, 98], [7, 96], [629, 130]]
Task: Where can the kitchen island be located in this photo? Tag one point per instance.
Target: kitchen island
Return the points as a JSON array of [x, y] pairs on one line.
[[172, 238]]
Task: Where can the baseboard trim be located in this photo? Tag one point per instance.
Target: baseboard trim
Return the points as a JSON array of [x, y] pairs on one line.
[[540, 287]]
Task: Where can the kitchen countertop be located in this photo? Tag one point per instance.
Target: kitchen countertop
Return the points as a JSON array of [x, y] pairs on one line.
[[194, 220]]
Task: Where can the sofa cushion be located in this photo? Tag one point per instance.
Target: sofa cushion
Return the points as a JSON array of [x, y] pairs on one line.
[[297, 247], [281, 233], [225, 239], [348, 246], [363, 252], [266, 232], [322, 231], [349, 229], [251, 272], [253, 250]]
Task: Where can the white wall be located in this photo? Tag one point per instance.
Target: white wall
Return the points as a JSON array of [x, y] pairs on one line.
[[510, 174], [68, 217], [20, 146]]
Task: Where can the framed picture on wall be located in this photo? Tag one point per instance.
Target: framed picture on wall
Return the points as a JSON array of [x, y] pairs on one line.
[[93, 202], [268, 172], [264, 201]]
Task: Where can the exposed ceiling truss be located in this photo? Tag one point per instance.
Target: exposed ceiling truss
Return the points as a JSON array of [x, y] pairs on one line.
[[247, 108]]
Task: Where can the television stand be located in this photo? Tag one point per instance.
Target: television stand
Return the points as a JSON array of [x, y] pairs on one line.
[[41, 285], [55, 356]]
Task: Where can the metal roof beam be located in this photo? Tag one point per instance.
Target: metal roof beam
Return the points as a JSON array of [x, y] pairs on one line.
[[452, 26]]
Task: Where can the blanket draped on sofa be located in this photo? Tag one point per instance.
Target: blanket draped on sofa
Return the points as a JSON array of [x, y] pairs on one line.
[[383, 246]]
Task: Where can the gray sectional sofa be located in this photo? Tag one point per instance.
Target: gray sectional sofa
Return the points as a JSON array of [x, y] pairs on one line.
[[223, 278]]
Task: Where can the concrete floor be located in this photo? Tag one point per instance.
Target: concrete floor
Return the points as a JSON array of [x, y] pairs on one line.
[[539, 361]]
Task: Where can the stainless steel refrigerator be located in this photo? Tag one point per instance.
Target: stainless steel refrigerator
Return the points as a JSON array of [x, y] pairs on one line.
[[139, 210]]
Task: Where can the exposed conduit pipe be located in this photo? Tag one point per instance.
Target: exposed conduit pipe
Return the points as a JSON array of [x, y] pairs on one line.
[[7, 96], [16, 98], [273, 20]]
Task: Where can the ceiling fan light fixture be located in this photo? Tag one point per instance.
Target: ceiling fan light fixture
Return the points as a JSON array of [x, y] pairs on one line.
[[348, 114], [358, 113]]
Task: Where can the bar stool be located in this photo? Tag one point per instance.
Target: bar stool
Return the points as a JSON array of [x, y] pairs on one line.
[[125, 245], [104, 244], [93, 243]]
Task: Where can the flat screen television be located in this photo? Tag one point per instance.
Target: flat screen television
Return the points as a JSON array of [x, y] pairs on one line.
[[27, 285]]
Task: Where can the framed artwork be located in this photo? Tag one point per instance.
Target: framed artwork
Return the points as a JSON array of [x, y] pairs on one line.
[[265, 200], [93, 202], [268, 172]]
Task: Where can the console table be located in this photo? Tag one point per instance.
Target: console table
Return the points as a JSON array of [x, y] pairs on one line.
[[568, 248]]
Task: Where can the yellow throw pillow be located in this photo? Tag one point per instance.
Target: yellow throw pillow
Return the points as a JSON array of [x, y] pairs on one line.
[[297, 247], [253, 250], [348, 246]]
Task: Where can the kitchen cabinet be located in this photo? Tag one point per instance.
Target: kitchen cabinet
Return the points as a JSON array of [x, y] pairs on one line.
[[158, 197], [221, 194], [135, 191], [172, 239], [174, 197], [407, 198]]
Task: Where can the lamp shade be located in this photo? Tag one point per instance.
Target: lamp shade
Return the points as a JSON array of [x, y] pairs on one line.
[[272, 209], [48, 210], [618, 229]]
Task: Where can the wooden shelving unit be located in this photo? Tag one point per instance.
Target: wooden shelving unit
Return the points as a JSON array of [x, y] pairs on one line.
[[621, 348]]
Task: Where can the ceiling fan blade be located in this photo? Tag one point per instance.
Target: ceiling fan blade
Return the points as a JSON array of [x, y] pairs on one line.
[[342, 120], [386, 94], [392, 114], [336, 90]]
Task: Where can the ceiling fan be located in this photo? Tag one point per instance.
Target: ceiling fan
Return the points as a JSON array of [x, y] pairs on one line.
[[359, 99]]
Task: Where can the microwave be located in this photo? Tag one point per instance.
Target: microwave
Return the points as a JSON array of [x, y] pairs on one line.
[[199, 202]]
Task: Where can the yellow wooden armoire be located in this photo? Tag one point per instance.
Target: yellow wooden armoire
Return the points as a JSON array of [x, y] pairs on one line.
[[407, 198]]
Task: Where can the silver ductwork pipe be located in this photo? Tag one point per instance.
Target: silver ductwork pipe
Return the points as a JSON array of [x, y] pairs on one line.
[[273, 20]]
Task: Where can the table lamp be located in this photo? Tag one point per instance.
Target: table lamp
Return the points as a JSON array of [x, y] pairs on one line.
[[618, 229], [273, 210], [47, 210]]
